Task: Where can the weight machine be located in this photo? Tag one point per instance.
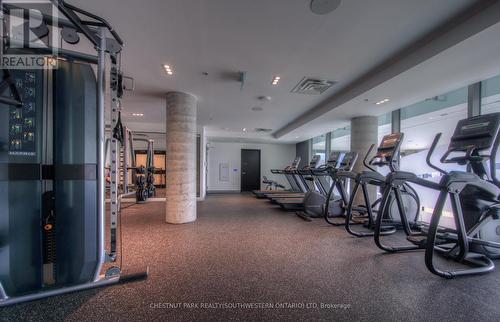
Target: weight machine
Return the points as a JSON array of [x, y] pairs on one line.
[[52, 153]]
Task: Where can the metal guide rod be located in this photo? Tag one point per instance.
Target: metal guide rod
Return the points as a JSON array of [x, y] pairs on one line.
[[126, 147], [101, 188], [115, 160]]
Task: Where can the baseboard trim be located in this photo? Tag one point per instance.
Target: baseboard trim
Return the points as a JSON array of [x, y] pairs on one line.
[[215, 192]]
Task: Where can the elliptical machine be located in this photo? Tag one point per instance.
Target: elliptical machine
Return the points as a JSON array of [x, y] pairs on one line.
[[335, 206], [314, 200], [388, 156], [474, 198]]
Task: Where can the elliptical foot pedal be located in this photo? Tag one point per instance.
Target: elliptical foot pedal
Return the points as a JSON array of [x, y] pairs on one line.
[[418, 240], [303, 216], [359, 220]]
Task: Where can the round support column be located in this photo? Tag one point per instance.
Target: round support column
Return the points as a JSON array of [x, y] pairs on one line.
[[364, 133], [180, 204]]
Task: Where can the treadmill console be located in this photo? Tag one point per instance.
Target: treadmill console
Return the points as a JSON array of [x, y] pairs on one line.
[[348, 161], [333, 159], [295, 163], [314, 161]]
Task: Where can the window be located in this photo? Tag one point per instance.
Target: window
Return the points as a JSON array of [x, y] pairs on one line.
[[319, 147], [384, 125], [490, 95], [490, 103], [420, 122], [340, 139]]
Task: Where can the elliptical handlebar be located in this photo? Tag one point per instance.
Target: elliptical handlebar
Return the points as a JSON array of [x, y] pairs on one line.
[[493, 164], [431, 151], [366, 158]]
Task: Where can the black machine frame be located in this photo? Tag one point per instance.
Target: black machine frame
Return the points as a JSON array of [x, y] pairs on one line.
[[387, 155], [461, 244]]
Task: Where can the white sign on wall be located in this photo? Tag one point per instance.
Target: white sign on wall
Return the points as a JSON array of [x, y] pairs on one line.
[[224, 172]]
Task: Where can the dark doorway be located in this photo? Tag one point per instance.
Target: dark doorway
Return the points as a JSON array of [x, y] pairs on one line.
[[250, 170]]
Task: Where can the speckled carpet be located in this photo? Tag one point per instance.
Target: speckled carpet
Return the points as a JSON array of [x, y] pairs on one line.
[[244, 259]]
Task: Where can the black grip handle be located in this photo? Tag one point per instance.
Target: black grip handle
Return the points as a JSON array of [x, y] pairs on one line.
[[431, 151]]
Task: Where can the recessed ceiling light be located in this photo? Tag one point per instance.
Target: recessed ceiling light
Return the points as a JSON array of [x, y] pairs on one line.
[[297, 137], [244, 129], [138, 114], [385, 100], [168, 70], [276, 80], [323, 7], [264, 98]]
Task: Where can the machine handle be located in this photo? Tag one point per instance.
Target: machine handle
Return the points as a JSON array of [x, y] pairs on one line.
[[68, 10], [7, 82], [366, 158], [10, 101], [431, 151], [493, 164]]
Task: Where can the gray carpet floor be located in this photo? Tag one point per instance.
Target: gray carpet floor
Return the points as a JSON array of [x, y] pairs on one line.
[[245, 252]]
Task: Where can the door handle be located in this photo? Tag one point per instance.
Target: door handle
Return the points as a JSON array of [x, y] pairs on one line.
[[243, 173]]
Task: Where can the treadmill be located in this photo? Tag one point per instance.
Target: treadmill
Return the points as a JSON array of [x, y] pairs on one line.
[[294, 187], [304, 185], [318, 184]]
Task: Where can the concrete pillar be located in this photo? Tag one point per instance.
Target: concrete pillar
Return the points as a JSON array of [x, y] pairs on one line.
[[180, 204], [364, 133]]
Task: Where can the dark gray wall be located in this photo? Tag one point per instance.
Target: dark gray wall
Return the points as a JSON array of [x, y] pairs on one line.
[[303, 150]]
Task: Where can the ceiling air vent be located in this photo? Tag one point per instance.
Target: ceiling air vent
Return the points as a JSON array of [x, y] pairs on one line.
[[262, 130], [312, 86]]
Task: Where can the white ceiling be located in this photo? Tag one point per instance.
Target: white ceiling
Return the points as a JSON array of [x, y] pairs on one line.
[[280, 37], [473, 60]]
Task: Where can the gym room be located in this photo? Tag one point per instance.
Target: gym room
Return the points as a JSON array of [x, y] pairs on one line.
[[250, 160]]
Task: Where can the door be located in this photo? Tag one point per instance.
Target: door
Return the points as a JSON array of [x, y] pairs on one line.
[[250, 170]]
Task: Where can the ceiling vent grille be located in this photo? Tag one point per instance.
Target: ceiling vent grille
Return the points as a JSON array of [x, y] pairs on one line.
[[312, 86], [262, 130]]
